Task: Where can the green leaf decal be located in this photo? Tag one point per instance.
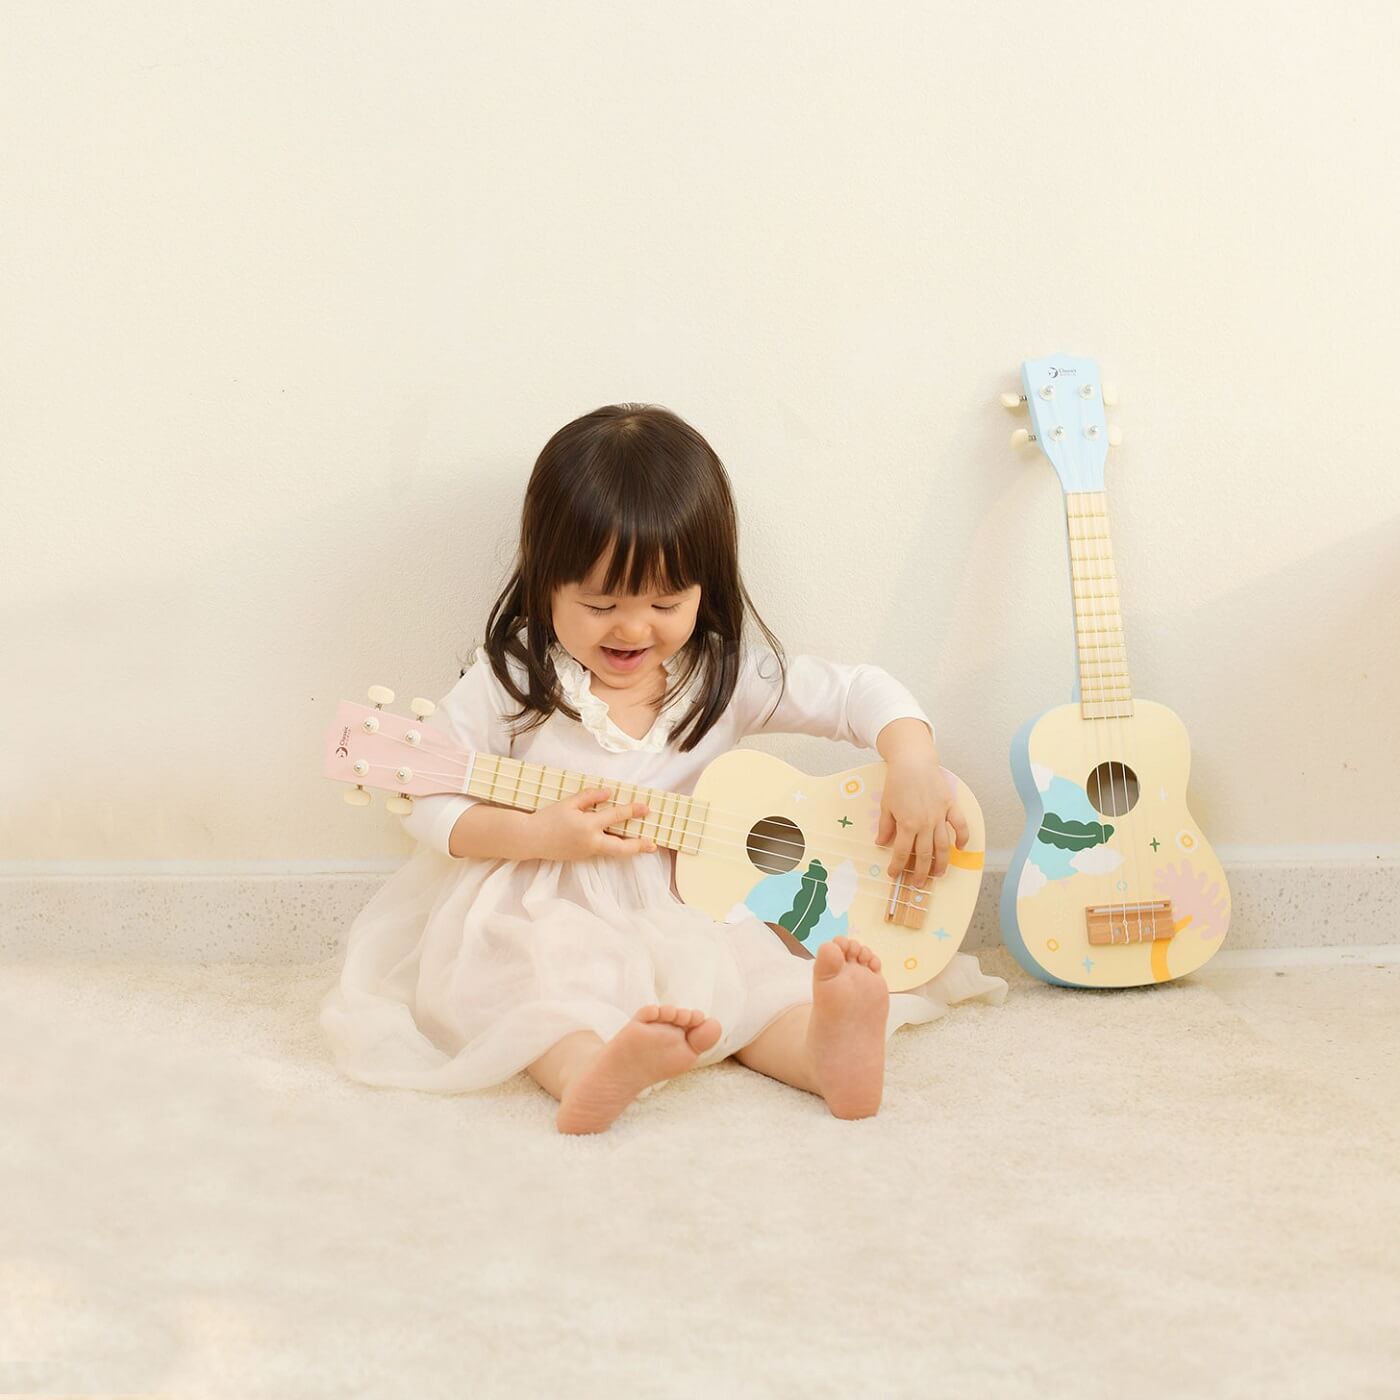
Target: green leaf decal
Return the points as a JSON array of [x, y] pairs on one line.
[[809, 905], [1072, 836]]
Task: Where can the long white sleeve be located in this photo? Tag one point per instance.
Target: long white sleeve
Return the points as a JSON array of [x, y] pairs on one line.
[[472, 717], [830, 699]]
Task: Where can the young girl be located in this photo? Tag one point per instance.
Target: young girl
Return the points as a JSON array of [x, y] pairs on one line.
[[538, 941]]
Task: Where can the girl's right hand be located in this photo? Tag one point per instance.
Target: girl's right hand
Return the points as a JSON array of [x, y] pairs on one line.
[[571, 830]]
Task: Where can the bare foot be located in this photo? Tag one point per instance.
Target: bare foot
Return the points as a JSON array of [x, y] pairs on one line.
[[657, 1043], [846, 1032]]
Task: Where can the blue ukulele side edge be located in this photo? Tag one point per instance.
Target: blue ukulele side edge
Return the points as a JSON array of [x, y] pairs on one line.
[[1035, 811]]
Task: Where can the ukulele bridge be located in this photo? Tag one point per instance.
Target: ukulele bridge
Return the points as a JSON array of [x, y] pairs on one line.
[[907, 905], [1129, 923]]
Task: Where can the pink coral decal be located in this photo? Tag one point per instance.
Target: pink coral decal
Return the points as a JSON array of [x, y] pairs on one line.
[[1198, 902]]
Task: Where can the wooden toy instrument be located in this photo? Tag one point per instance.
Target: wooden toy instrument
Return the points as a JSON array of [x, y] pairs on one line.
[[1112, 883], [756, 837]]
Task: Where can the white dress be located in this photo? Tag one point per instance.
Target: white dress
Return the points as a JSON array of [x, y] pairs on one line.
[[459, 972]]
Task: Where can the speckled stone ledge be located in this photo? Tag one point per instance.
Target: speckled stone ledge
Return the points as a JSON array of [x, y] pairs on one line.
[[297, 917]]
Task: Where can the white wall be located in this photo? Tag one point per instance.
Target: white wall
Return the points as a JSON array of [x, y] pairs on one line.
[[293, 294]]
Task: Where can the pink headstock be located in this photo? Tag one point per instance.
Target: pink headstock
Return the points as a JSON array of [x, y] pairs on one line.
[[368, 746]]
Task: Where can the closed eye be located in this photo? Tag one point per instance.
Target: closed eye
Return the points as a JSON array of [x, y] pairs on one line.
[[658, 606]]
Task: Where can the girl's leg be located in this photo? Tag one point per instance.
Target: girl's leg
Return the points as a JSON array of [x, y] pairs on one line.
[[780, 1050], [836, 1046], [563, 1060]]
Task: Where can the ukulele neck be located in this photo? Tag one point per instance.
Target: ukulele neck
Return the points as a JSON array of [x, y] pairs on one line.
[[672, 819], [1104, 691]]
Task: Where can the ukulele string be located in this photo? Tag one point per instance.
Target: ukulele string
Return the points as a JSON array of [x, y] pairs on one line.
[[1116, 729], [1103, 723], [535, 787], [842, 845]]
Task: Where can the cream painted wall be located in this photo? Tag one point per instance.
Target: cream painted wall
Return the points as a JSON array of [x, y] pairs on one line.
[[293, 294]]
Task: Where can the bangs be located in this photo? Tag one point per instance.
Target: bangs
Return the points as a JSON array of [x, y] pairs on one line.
[[643, 557]]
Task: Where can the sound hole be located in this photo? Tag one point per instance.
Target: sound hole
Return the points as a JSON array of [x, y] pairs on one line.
[[775, 845], [1113, 789]]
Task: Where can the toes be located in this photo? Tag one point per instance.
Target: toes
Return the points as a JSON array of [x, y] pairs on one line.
[[830, 959], [704, 1036], [668, 1013]]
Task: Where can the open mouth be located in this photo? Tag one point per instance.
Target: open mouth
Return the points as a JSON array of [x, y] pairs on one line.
[[625, 658]]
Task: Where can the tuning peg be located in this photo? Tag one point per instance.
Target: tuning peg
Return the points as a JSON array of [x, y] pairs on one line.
[[1022, 436], [1115, 435], [1012, 400], [421, 708], [381, 695], [357, 797], [1110, 394], [400, 806]]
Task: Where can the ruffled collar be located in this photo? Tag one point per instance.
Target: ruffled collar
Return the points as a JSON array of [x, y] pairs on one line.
[[575, 681]]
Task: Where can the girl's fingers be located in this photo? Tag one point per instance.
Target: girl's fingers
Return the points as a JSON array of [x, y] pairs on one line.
[[627, 845], [940, 847], [903, 846], [959, 825], [923, 851]]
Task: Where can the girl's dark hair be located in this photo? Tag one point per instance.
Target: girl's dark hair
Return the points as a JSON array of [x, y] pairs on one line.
[[639, 479]]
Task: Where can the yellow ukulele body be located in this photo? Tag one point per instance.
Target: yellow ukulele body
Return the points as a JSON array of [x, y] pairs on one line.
[[798, 851], [1134, 873]]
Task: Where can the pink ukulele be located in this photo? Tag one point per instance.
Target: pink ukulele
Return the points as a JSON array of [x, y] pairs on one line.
[[757, 837]]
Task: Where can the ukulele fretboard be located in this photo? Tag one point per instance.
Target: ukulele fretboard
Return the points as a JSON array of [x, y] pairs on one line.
[[672, 819], [1104, 691]]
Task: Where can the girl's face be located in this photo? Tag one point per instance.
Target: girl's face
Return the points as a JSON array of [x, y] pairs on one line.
[[596, 628]]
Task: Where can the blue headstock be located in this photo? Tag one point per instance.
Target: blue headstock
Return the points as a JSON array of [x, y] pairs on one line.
[[1066, 402]]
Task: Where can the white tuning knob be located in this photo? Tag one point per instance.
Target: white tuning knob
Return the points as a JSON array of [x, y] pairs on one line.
[[1012, 400], [1115, 435], [400, 806], [1110, 395], [381, 695], [357, 797], [421, 708], [1021, 437]]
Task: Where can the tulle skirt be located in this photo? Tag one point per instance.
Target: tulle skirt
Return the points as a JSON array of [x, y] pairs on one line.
[[460, 973]]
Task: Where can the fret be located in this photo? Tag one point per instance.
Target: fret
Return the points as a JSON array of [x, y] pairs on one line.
[[495, 778], [632, 794], [657, 802], [685, 834], [669, 817]]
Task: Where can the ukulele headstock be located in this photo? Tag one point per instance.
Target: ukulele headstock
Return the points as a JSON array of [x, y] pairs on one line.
[[368, 746], [1066, 399]]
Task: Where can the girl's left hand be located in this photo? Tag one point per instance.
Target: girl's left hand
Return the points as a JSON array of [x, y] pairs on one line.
[[917, 810]]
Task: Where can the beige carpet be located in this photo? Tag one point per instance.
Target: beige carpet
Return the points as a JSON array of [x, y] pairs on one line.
[[1185, 1191]]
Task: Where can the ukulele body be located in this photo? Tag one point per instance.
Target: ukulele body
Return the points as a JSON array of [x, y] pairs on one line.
[[798, 852], [1108, 829]]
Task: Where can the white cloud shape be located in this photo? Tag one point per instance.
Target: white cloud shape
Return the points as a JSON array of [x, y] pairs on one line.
[[1096, 860], [1032, 880], [1043, 776], [841, 887]]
